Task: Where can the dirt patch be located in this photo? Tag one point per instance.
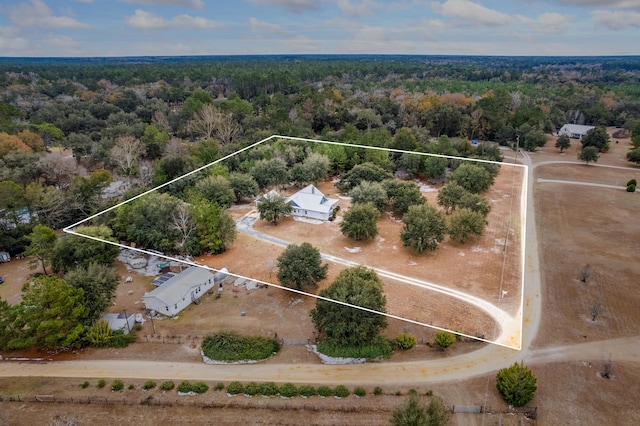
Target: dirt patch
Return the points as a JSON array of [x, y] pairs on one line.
[[15, 273], [582, 173], [479, 267], [588, 226]]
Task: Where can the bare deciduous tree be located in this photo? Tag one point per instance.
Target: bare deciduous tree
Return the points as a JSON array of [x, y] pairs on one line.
[[209, 122], [145, 172], [161, 121], [205, 122], [176, 147], [126, 153], [272, 266], [607, 370], [227, 129], [595, 309], [182, 222], [585, 273], [56, 169]]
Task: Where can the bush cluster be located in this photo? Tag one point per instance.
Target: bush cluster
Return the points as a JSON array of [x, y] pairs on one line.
[[380, 347], [341, 391], [197, 387], [405, 341], [444, 339], [252, 389], [231, 346], [121, 340], [169, 385], [235, 388], [117, 385], [307, 391], [325, 391], [289, 390], [149, 384]]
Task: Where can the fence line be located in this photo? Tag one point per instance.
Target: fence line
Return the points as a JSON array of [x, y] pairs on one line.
[[177, 339], [237, 402], [228, 403]]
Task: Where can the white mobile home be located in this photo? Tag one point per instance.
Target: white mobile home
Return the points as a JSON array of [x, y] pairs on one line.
[[575, 131], [310, 202], [179, 291]]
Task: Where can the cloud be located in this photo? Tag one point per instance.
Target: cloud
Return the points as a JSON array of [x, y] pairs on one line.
[[471, 12], [11, 45], [174, 48], [548, 22], [359, 37], [149, 21], [191, 4], [615, 20], [83, 1], [352, 8], [296, 41], [295, 6], [8, 31], [258, 26], [357, 10], [609, 4], [38, 14], [64, 45]]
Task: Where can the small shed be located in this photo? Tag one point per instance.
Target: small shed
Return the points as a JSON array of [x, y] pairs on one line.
[[177, 292], [120, 322], [164, 267]]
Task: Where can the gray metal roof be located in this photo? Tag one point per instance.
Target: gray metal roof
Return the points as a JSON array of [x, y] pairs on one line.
[[310, 198], [179, 286]]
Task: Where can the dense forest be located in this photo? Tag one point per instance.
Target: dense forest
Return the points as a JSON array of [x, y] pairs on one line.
[[140, 122]]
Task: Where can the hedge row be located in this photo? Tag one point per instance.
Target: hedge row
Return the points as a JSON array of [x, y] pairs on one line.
[[287, 390]]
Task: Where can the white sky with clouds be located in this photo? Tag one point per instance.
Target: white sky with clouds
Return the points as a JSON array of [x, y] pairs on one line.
[[235, 27]]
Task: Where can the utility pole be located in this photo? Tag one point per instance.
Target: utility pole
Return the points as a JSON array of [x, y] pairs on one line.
[[153, 326], [126, 319]]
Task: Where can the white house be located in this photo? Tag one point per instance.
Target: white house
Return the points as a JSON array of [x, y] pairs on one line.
[[310, 202], [576, 131], [180, 290]]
